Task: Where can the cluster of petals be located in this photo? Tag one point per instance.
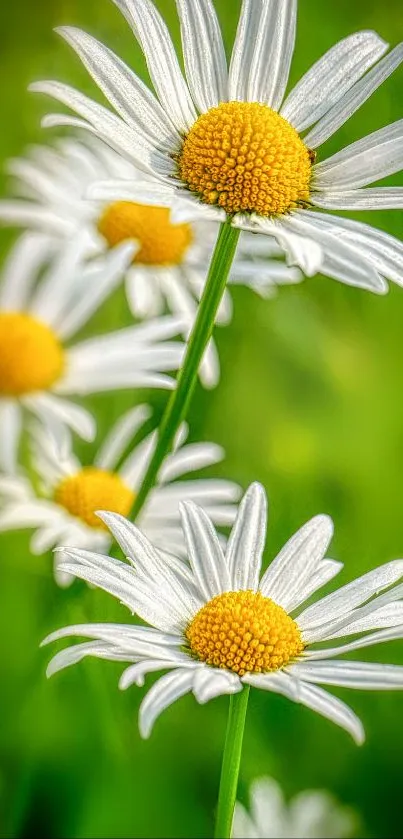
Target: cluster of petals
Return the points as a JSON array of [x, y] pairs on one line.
[[312, 814]]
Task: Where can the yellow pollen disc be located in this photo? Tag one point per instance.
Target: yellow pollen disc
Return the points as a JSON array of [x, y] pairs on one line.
[[246, 158], [161, 242], [94, 489], [245, 632], [31, 356]]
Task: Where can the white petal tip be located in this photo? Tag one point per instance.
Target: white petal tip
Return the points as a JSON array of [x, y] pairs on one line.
[[144, 732], [359, 737]]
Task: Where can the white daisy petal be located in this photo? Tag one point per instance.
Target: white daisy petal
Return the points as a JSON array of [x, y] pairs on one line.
[[297, 561], [49, 408], [204, 53], [29, 214], [341, 260], [130, 97], [142, 192], [209, 683], [247, 540], [366, 615], [136, 673], [119, 634], [381, 198], [189, 459], [14, 488], [204, 551], [313, 697], [369, 159], [147, 562], [242, 53], [98, 283], [10, 423], [72, 655], [273, 50], [162, 63], [325, 572], [47, 537], [262, 51], [390, 634], [52, 297], [331, 78], [127, 140], [353, 99], [345, 599], [351, 674], [152, 604], [21, 270], [300, 249], [120, 435], [373, 616], [244, 827], [135, 465], [384, 251], [162, 694]]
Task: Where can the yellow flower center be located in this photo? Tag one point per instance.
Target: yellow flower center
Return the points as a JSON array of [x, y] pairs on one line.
[[246, 158], [31, 356], [161, 242], [94, 489], [245, 632]]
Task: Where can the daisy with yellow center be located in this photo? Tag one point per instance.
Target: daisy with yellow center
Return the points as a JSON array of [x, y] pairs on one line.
[[71, 494], [168, 266], [217, 626], [228, 144], [44, 300]]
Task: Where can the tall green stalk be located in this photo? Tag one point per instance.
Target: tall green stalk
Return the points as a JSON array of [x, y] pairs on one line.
[[180, 398], [231, 763]]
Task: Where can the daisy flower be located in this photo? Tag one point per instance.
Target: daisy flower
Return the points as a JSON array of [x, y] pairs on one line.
[[313, 814], [168, 267], [72, 493], [215, 627], [228, 144], [42, 306]]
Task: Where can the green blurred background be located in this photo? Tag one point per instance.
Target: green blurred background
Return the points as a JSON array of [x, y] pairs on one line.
[[311, 404]]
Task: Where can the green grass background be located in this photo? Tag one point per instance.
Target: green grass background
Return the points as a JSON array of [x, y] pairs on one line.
[[311, 404]]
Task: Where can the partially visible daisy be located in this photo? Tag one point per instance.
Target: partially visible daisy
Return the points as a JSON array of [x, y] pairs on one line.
[[215, 627], [228, 144], [313, 814], [168, 267], [42, 306], [72, 493]]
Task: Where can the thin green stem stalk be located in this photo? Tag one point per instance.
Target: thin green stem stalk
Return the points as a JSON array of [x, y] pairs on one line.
[[180, 398], [231, 763]]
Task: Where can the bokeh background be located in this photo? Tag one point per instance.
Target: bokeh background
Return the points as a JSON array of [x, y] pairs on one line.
[[311, 404]]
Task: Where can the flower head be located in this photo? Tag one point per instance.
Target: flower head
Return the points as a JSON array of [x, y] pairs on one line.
[[44, 301], [312, 814], [215, 626], [227, 143], [57, 196], [71, 493]]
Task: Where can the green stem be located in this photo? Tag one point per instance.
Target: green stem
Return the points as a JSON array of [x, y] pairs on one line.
[[231, 763], [180, 398]]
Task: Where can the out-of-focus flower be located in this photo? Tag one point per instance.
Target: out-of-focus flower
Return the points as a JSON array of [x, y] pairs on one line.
[[228, 144], [65, 512], [169, 263], [313, 814], [216, 627], [42, 305]]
